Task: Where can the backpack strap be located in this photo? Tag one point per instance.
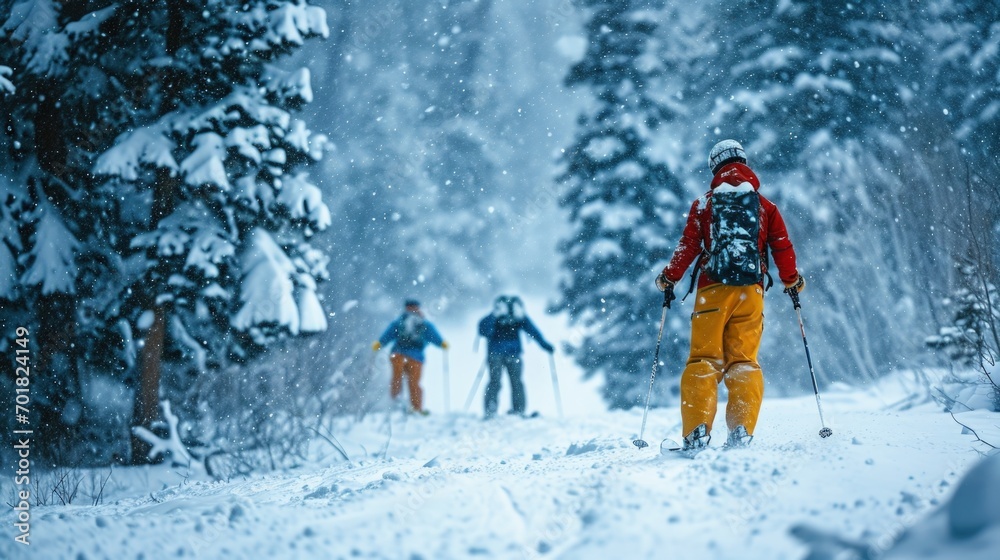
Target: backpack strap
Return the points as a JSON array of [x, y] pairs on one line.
[[766, 259], [767, 269], [694, 274]]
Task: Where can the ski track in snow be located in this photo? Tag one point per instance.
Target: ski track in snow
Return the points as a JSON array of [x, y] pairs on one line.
[[457, 487]]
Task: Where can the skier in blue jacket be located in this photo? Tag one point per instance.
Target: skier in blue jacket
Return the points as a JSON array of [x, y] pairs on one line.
[[409, 333], [502, 329]]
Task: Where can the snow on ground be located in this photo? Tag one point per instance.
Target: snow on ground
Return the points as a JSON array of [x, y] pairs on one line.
[[454, 486]]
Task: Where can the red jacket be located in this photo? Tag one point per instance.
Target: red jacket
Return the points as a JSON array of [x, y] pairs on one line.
[[697, 233]]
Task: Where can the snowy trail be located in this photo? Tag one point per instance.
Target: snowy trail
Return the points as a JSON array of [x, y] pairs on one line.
[[457, 487]]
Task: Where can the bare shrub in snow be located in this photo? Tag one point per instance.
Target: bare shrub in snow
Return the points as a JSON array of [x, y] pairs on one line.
[[972, 339], [268, 415]]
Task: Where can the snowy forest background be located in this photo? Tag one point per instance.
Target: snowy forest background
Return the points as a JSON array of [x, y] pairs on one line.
[[221, 203]]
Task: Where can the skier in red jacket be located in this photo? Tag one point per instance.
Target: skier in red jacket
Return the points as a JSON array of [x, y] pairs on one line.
[[728, 317]]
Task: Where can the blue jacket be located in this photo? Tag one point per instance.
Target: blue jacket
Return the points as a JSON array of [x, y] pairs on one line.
[[504, 338], [410, 348]]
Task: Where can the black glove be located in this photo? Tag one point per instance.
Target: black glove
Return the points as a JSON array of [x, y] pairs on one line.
[[667, 287], [663, 283], [793, 290], [547, 347], [797, 285]]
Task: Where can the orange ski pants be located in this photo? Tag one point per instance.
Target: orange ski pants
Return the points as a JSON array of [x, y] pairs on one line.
[[404, 365], [726, 327]]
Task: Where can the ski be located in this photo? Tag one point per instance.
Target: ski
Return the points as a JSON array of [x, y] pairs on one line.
[[670, 448]]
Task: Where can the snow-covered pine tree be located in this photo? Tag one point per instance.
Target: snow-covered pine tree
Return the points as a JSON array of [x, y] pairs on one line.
[[625, 206], [225, 262], [54, 224], [163, 130]]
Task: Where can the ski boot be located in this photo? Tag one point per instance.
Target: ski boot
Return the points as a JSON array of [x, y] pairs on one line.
[[696, 441], [738, 437]]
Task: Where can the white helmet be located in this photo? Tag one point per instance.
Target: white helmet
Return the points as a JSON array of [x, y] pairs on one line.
[[725, 152]]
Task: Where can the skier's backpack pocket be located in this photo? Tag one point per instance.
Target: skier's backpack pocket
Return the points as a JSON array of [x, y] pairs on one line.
[[411, 332], [735, 257]]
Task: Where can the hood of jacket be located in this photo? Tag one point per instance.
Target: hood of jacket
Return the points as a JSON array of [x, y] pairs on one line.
[[736, 174]]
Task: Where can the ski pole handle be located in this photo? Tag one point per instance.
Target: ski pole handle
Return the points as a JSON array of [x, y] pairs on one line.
[[794, 294], [668, 296]]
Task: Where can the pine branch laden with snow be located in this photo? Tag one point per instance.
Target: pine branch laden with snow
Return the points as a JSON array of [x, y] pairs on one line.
[[249, 142], [171, 446], [279, 292], [274, 143], [290, 87], [34, 26], [258, 155], [180, 334], [312, 318], [147, 147], [6, 85], [8, 269], [304, 201], [191, 233], [205, 165], [267, 290], [10, 245], [51, 260], [210, 247], [293, 22], [306, 142]]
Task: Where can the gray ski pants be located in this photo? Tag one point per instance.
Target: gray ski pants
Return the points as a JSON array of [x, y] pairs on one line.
[[513, 365]]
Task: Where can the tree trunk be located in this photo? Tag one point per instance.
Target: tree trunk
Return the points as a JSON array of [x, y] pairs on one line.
[[147, 398]]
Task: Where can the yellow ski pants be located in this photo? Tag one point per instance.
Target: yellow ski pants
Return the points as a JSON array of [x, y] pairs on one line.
[[726, 327]]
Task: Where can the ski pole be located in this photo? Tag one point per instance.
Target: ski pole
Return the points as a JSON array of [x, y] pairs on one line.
[[794, 294], [667, 296], [475, 386], [555, 384], [371, 365], [447, 385]]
